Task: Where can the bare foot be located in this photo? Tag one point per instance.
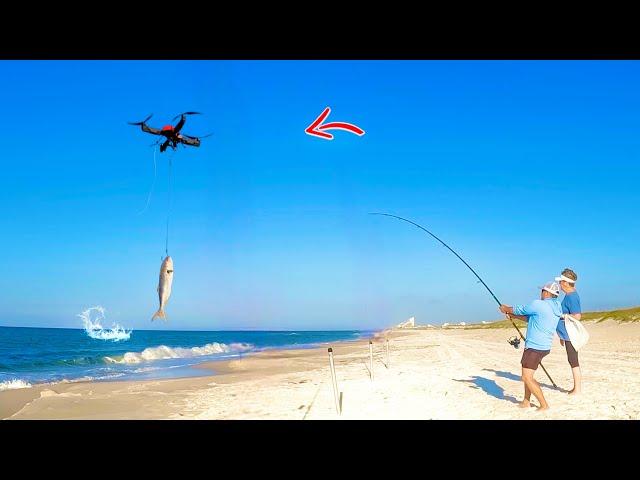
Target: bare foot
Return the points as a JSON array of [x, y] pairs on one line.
[[540, 409], [524, 404]]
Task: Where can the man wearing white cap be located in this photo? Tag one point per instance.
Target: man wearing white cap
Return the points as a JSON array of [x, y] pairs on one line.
[[570, 305], [542, 320]]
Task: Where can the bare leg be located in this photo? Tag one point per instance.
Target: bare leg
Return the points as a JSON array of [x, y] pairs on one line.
[[572, 357], [534, 387], [577, 381], [527, 395]]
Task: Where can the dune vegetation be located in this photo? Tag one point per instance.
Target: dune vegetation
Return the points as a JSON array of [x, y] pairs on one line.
[[622, 315]]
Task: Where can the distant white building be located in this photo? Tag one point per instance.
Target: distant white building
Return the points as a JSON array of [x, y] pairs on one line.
[[445, 324], [462, 323], [408, 324]]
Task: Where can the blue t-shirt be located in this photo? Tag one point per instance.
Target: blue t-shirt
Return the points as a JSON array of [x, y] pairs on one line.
[[542, 323], [570, 305]]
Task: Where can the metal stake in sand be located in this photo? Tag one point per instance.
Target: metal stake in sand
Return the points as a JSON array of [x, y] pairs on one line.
[[333, 378], [388, 353], [473, 271], [371, 359]]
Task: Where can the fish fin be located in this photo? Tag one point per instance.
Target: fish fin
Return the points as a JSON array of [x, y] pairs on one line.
[[159, 314]]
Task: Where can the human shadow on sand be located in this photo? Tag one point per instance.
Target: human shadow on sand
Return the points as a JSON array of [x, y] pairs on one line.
[[513, 376], [490, 387]]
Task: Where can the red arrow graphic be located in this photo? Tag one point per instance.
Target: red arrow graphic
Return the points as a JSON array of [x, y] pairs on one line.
[[316, 129]]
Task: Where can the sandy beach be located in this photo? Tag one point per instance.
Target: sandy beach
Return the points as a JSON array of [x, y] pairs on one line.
[[431, 374]]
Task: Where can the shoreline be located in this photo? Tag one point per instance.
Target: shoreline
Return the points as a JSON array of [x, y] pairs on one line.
[[429, 374], [14, 400], [215, 360]]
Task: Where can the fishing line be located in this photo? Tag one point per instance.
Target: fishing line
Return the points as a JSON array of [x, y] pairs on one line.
[[450, 249], [153, 185], [166, 244], [474, 272]]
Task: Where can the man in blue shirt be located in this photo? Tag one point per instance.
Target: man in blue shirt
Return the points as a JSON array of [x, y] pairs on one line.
[[542, 320], [570, 305]]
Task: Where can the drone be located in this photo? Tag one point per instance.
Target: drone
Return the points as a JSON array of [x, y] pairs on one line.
[[171, 133]]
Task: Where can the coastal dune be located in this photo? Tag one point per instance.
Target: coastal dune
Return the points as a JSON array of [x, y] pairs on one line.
[[431, 374]]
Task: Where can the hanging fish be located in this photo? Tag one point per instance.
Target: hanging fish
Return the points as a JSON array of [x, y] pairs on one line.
[[164, 286]]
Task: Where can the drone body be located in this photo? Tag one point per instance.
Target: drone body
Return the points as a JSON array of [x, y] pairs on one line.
[[170, 133]]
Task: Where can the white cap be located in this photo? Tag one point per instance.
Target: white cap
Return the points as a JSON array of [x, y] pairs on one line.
[[552, 287], [566, 279]]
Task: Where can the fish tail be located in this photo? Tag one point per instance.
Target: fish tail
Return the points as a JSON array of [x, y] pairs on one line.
[[158, 314]]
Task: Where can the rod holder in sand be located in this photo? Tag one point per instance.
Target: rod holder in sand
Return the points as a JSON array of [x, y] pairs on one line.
[[371, 359], [388, 353], [335, 383]]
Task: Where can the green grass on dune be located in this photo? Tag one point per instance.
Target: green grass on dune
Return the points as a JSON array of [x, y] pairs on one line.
[[623, 315]]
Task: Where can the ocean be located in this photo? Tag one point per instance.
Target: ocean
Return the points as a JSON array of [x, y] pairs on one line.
[[30, 356]]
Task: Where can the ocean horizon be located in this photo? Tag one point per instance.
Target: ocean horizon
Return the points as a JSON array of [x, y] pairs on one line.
[[37, 355]]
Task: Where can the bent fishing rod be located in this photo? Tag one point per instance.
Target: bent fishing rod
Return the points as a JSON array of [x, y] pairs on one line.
[[472, 270]]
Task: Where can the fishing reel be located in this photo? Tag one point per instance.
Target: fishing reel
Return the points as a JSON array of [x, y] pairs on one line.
[[515, 341]]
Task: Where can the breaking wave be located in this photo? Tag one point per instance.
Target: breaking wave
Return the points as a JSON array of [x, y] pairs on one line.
[[94, 328], [163, 352], [14, 384]]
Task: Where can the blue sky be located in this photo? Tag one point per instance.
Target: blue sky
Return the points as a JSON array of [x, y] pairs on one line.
[[523, 167]]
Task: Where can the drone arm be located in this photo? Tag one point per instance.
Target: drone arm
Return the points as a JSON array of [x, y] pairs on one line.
[[180, 124], [183, 118], [192, 141], [148, 129]]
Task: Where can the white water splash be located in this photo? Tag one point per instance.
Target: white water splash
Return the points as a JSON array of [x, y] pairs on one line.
[[14, 384], [94, 328]]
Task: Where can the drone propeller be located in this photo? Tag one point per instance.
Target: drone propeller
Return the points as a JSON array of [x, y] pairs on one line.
[[142, 122], [185, 113]]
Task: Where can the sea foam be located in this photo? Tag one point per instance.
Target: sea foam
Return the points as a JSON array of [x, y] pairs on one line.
[[14, 384], [163, 352], [94, 328]]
